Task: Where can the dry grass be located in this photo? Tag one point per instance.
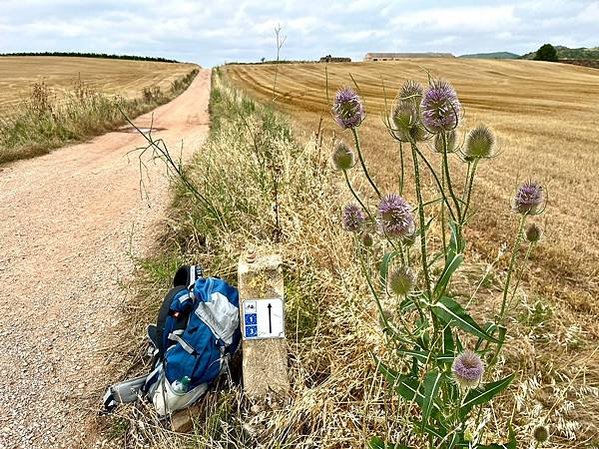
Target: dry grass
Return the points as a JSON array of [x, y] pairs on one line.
[[338, 398], [546, 118], [111, 76]]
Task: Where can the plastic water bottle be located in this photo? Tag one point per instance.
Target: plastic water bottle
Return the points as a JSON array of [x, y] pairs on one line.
[[181, 386]]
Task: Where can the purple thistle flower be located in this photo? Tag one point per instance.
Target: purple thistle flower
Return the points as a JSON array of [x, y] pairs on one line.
[[395, 216], [440, 107], [468, 369], [529, 198], [348, 109], [353, 217]]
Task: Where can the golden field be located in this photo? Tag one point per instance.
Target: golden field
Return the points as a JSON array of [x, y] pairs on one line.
[[546, 118], [112, 76]]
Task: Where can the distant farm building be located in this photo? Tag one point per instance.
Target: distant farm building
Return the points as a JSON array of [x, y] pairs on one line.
[[329, 58], [397, 56]]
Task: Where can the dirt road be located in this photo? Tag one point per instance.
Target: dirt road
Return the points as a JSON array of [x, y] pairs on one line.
[[70, 223]]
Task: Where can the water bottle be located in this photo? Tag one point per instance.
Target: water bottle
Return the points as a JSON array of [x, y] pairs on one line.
[[181, 386]]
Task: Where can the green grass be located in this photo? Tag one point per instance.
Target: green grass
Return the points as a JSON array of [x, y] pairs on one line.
[[43, 122]]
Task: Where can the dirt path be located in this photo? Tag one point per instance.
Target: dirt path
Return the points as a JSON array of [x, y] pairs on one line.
[[69, 223]]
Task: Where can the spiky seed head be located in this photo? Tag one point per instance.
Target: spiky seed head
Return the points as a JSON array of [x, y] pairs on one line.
[[405, 116], [529, 198], [343, 156], [533, 233], [468, 369], [395, 216], [451, 140], [401, 281], [541, 433], [367, 239], [353, 217], [348, 109], [440, 107], [480, 143]]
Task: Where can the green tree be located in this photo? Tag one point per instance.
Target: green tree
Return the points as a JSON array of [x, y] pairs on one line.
[[547, 52]]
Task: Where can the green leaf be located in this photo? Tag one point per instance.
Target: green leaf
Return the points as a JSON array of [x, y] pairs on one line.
[[384, 267], [432, 382], [379, 443], [421, 356], [450, 268], [491, 329], [485, 393], [448, 344], [457, 244], [389, 373], [438, 433], [452, 313]]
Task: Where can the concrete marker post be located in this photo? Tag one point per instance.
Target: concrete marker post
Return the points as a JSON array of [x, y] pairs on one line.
[[265, 377]]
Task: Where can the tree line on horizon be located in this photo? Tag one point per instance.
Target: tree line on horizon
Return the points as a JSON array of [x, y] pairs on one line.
[[92, 55]]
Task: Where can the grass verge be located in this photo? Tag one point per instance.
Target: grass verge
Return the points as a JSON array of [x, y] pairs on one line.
[[250, 163], [44, 122]]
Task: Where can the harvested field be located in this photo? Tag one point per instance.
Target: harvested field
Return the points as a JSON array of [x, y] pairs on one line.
[[112, 76]]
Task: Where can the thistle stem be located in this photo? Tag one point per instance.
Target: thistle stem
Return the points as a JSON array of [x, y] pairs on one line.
[[436, 178], [373, 291], [401, 166], [443, 238], [355, 195], [448, 178], [521, 273], [515, 250], [421, 217], [363, 164], [470, 189]]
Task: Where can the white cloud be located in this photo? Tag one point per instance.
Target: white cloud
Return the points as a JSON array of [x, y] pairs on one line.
[[210, 31]]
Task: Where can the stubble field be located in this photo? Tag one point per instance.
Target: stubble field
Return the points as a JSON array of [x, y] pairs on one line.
[[110, 76], [546, 117]]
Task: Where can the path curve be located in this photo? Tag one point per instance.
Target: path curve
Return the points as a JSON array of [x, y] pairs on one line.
[[69, 223]]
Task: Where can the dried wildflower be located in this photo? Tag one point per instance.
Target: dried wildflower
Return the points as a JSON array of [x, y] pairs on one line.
[[541, 434], [529, 198], [533, 233], [348, 109], [343, 156], [367, 240], [396, 218], [401, 281], [480, 143], [440, 107], [468, 369], [353, 217], [450, 139], [405, 116]]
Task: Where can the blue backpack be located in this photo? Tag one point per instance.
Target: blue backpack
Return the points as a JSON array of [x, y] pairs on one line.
[[196, 333]]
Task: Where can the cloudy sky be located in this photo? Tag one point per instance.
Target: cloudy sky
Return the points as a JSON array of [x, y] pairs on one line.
[[215, 31]]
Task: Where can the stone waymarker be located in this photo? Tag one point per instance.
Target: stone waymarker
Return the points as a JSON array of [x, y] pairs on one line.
[[263, 327]]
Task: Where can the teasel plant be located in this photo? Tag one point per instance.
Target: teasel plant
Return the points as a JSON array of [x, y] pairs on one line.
[[444, 360]]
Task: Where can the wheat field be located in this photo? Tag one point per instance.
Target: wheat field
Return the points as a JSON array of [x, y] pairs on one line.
[[546, 118], [112, 76]]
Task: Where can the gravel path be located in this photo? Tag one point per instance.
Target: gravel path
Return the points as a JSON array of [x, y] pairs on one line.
[[70, 223]]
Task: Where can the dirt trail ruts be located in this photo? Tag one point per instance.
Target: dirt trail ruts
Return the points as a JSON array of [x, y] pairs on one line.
[[70, 222]]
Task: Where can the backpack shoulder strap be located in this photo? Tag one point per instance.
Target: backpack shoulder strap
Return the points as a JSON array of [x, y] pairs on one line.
[[163, 315]]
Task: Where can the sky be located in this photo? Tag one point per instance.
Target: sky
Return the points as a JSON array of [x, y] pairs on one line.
[[213, 32]]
